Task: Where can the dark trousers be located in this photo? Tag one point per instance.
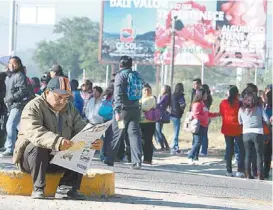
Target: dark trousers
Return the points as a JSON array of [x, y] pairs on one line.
[[196, 143], [230, 141], [124, 148], [267, 153], [35, 161], [254, 140], [147, 131], [131, 121]]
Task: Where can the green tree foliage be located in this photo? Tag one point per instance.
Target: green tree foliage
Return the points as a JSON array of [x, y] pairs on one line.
[[77, 49]]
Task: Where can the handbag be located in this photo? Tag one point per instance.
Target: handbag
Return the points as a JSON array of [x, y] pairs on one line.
[[106, 109], [191, 125], [165, 117], [153, 114]]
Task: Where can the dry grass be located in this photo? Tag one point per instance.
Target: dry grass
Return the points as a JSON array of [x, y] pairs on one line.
[[216, 140]]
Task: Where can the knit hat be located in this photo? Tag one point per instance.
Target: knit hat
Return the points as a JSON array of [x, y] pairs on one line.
[[60, 85]]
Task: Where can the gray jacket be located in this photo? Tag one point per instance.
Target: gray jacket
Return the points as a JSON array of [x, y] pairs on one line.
[[121, 101], [17, 90], [252, 122]]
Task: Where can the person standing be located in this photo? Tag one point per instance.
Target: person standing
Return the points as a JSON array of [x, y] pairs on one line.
[[232, 130], [201, 113], [148, 102], [17, 96], [205, 141], [86, 94], [178, 105], [163, 104], [127, 93], [196, 85], [251, 116], [93, 106], [77, 99]]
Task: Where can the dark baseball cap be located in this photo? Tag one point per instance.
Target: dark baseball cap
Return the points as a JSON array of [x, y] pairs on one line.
[[60, 85], [56, 68]]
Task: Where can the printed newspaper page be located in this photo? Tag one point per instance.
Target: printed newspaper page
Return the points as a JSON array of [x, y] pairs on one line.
[[78, 158]]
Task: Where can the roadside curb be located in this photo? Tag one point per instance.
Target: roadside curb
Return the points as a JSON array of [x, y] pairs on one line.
[[97, 182]]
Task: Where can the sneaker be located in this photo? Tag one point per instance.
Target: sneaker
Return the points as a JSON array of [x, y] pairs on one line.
[[191, 162], [229, 174], [37, 193], [203, 154], [6, 154], [2, 149], [66, 193], [240, 174], [136, 166]]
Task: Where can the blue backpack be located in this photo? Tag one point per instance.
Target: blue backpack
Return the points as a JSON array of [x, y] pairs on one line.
[[106, 109], [135, 86]]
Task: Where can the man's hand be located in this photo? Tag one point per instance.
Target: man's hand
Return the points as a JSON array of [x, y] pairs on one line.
[[97, 145], [65, 144]]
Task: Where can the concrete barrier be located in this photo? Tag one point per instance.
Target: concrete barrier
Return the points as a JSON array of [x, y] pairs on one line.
[[96, 182]]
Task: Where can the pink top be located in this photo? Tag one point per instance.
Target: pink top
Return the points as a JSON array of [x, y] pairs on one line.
[[201, 113]]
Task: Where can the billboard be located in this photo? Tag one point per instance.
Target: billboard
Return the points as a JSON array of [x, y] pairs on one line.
[[216, 33]]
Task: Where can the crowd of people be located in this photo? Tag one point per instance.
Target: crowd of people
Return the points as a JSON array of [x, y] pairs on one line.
[[37, 109]]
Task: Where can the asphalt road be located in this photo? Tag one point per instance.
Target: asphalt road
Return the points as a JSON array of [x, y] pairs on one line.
[[170, 184]]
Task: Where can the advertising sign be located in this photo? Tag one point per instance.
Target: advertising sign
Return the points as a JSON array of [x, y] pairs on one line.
[[216, 33]]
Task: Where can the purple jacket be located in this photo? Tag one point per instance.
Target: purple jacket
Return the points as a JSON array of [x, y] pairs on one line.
[[163, 102]]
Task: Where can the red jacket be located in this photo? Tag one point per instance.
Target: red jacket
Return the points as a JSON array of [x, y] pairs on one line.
[[201, 113], [230, 123]]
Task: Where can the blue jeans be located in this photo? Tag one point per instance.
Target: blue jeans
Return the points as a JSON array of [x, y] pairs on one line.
[[176, 128], [196, 143], [12, 126], [160, 137], [205, 142], [230, 148]]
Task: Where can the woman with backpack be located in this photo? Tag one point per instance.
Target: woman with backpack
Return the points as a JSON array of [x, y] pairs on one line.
[[163, 104], [178, 106], [232, 130], [147, 102], [251, 116]]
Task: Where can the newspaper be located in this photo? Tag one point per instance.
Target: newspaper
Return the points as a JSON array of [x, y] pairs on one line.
[[79, 157]]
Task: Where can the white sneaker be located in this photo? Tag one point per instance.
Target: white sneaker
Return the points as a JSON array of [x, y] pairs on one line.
[[191, 162], [229, 174], [240, 174]]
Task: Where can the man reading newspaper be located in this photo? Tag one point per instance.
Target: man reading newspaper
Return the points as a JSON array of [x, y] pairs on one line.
[[48, 123]]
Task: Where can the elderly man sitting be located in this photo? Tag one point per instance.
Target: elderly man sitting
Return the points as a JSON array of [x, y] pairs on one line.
[[48, 123]]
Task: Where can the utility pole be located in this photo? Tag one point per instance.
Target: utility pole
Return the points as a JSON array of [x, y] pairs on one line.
[[12, 27], [173, 51]]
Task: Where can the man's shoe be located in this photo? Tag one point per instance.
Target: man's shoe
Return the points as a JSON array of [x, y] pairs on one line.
[[6, 154], [108, 163], [136, 166], [229, 174], [37, 193], [68, 194]]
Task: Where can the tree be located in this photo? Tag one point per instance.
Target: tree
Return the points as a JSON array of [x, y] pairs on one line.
[[77, 49]]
